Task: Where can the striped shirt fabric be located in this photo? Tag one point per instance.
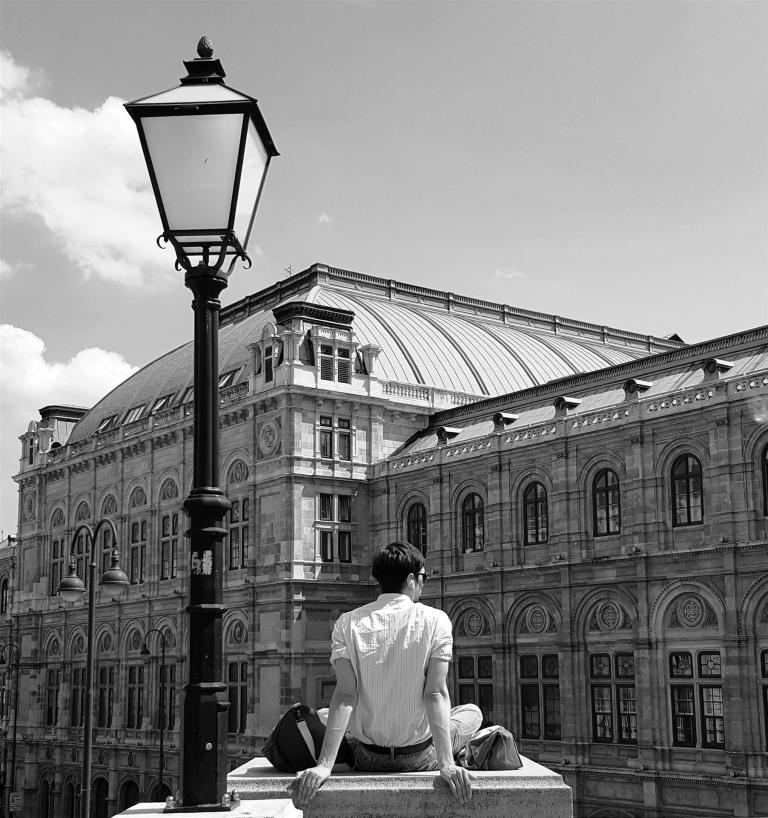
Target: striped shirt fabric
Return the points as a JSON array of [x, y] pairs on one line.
[[389, 643]]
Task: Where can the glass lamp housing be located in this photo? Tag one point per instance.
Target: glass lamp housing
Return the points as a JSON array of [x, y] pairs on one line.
[[207, 150]]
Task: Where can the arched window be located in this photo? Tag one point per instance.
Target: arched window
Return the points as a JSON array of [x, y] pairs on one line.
[[417, 527], [535, 516], [129, 795], [687, 494], [472, 524], [4, 596], [100, 804], [606, 506]]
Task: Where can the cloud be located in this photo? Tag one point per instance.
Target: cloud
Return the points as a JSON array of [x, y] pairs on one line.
[[30, 381], [324, 218], [5, 269], [83, 174], [508, 272]]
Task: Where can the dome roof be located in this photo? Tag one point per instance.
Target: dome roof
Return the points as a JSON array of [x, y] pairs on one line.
[[427, 338]]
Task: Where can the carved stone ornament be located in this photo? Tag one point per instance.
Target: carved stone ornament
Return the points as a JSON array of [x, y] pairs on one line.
[[238, 473], [29, 505], [83, 512], [691, 611], [609, 616], [268, 438], [105, 643], [58, 521], [138, 497], [78, 646], [239, 633], [134, 643], [110, 506], [55, 648], [169, 490], [473, 624], [537, 619]]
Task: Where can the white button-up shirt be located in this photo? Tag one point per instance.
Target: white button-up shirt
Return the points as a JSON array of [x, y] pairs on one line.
[[389, 643]]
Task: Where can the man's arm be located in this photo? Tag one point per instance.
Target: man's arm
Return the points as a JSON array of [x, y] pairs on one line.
[[343, 702], [438, 705]]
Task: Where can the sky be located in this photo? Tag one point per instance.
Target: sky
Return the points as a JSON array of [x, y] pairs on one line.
[[604, 161]]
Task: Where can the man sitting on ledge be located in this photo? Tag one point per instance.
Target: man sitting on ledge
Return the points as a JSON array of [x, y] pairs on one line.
[[391, 663]]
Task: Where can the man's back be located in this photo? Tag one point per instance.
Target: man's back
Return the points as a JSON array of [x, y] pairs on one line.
[[389, 643]]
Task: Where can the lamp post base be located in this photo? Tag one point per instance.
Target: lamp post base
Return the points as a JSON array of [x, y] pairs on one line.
[[180, 809]]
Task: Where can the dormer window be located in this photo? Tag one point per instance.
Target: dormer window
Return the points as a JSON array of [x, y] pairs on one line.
[[162, 403], [189, 395], [134, 414], [107, 423], [335, 364], [227, 378]]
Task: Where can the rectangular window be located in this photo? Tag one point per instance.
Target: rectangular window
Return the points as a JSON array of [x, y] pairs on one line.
[[234, 548], [345, 508], [135, 701], [540, 696], [602, 713], [326, 507], [326, 546], [57, 565], [167, 716], [343, 368], [326, 362], [712, 716], [345, 446], [326, 443], [105, 694], [268, 364], [475, 684], [77, 703], [614, 708], [238, 696], [52, 684], [345, 546], [138, 552], [169, 535], [683, 716], [244, 535]]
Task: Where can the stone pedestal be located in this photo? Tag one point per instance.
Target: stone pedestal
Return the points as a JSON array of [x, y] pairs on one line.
[[530, 792]]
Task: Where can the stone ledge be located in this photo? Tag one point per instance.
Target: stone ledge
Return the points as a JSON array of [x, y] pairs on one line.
[[530, 792]]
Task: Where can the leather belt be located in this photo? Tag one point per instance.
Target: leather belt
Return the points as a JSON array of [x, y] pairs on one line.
[[409, 750]]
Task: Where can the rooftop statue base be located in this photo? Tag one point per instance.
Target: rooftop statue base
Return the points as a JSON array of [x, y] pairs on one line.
[[532, 791]]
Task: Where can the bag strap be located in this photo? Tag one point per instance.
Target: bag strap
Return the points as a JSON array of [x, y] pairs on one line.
[[307, 736]]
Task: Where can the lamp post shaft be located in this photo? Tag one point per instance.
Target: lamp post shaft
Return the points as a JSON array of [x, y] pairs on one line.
[[163, 683], [204, 768], [85, 783]]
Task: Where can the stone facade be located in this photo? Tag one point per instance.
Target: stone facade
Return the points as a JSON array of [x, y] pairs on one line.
[[598, 540]]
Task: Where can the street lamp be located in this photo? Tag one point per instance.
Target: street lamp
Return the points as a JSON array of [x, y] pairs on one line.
[[5, 659], [207, 150], [145, 652], [72, 588]]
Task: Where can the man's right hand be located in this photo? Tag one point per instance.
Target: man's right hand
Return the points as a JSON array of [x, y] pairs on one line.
[[304, 787], [459, 780]]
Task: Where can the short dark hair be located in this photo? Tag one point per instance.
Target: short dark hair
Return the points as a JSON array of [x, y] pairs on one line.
[[393, 564]]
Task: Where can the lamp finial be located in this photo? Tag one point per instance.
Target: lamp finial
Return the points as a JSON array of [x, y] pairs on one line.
[[205, 48]]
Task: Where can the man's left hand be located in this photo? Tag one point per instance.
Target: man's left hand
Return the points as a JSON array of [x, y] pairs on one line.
[[306, 784]]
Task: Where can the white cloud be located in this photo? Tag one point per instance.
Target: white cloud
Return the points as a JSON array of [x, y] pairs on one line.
[[30, 381], [324, 218], [508, 272], [83, 174], [5, 269]]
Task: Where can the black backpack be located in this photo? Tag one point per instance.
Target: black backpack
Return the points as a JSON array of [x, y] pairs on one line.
[[295, 741]]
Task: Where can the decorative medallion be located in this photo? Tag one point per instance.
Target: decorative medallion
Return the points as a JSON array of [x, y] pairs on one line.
[[78, 646], [537, 619], [138, 497], [110, 506], [239, 471], [48, 753], [690, 612], [57, 520], [131, 759], [609, 616], [268, 437], [55, 648], [29, 506], [474, 623], [238, 633], [169, 490], [134, 641], [101, 756], [105, 643], [764, 614], [170, 639], [83, 512]]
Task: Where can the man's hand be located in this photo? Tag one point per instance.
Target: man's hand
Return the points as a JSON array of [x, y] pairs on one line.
[[306, 784], [459, 780]]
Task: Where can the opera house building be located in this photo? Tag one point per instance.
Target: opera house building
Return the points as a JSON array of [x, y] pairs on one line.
[[591, 502]]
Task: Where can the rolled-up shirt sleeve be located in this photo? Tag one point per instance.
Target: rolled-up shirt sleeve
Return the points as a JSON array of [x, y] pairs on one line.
[[339, 648], [442, 644]]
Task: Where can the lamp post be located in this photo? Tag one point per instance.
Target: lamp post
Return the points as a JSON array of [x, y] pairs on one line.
[[145, 652], [71, 588], [207, 150], [5, 651]]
